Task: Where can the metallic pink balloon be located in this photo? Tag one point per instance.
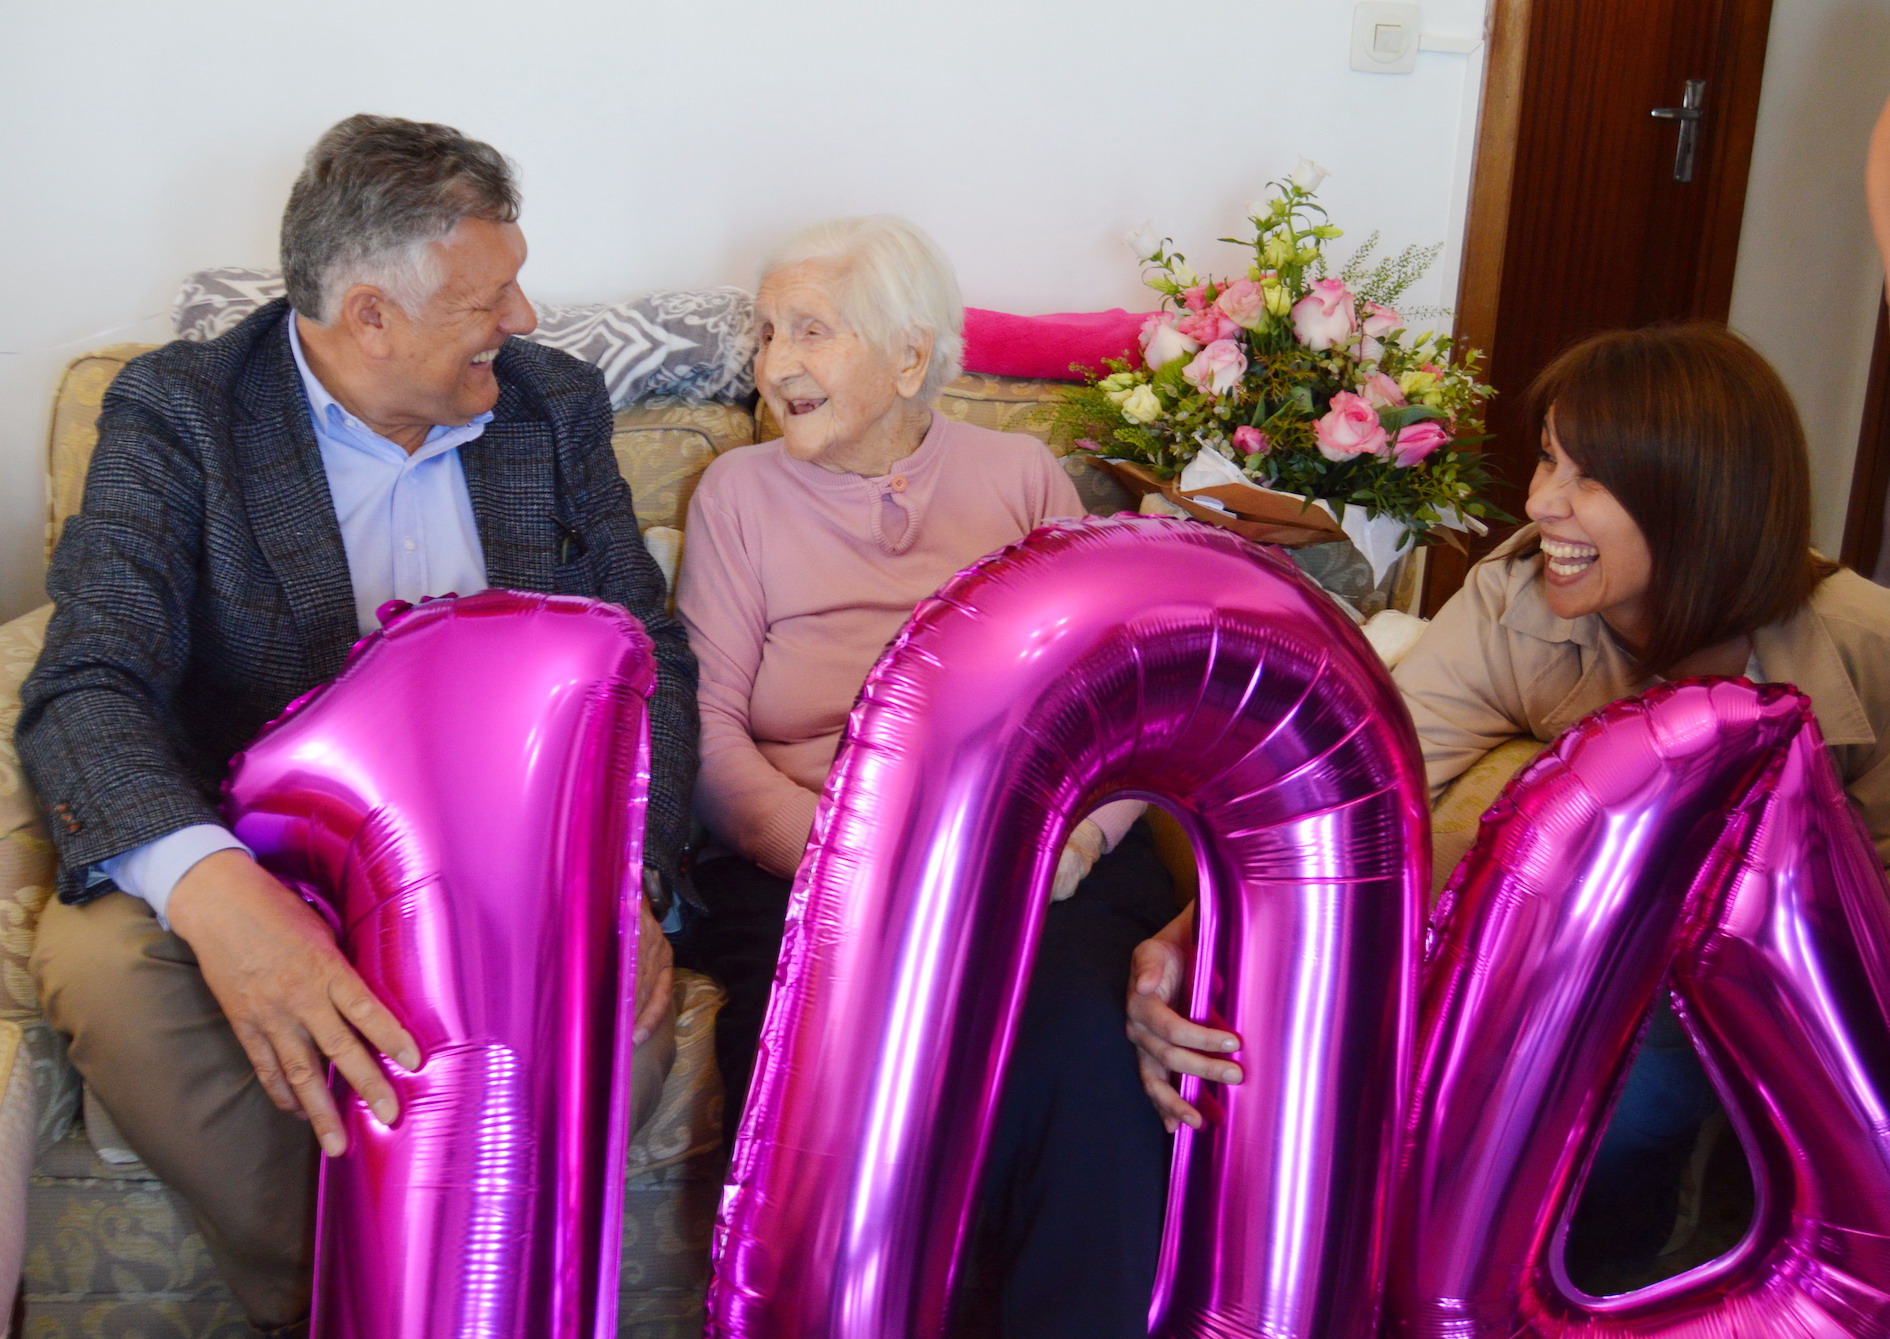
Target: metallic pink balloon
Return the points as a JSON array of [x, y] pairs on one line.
[[465, 800], [1701, 825], [1136, 656]]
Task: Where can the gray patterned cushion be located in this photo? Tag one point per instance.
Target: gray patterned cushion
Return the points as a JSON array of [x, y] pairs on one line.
[[697, 346]]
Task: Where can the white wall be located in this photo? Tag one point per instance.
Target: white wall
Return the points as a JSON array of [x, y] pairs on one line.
[[667, 144], [1809, 276]]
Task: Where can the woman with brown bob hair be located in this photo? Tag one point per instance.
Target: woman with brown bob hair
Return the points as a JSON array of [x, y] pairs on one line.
[[1670, 536], [1671, 510]]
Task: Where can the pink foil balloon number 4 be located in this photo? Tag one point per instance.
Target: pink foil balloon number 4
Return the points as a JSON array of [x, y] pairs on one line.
[[1702, 827]]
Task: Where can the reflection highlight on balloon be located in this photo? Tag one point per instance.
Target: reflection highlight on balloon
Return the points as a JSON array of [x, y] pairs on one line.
[[465, 802], [1701, 826], [1132, 656]]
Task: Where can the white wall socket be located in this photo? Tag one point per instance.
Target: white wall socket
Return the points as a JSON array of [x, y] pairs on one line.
[[1385, 37]]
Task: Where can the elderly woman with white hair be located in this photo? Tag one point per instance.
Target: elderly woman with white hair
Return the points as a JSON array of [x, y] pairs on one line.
[[806, 555]]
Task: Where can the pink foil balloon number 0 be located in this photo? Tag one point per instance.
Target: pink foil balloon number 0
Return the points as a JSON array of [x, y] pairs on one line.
[[1137, 657], [465, 801]]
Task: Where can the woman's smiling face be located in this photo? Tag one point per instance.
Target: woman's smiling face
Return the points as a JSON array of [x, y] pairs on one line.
[[1595, 558], [840, 401]]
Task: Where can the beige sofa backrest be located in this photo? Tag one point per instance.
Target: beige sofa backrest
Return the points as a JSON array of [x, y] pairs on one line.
[[662, 445]]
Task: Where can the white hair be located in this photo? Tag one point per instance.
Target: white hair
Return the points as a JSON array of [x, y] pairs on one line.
[[894, 281]]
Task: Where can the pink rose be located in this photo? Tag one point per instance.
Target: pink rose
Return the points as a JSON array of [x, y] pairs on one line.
[[1350, 429], [1195, 298], [1417, 440], [1243, 303], [1217, 369], [1380, 391], [1250, 441], [1324, 316], [1204, 327], [1162, 343], [1380, 320]]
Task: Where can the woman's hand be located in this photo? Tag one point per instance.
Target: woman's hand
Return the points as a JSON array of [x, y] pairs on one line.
[[1165, 1042], [1080, 854]]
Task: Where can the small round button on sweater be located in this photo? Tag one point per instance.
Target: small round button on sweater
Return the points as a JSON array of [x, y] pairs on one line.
[[899, 483]]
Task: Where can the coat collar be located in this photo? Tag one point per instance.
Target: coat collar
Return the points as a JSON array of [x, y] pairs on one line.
[[512, 477], [1797, 650], [286, 497]]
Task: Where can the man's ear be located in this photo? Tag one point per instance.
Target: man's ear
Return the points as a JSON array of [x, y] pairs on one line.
[[364, 315], [912, 367]]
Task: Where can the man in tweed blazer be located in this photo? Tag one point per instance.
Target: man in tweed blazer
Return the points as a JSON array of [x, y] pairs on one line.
[[250, 502]]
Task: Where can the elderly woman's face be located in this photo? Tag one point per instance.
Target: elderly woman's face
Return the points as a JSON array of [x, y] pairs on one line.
[[1596, 559], [841, 402]]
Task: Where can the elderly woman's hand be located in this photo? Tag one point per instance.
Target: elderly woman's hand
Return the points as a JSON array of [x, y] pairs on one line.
[[1165, 1042], [1080, 854]]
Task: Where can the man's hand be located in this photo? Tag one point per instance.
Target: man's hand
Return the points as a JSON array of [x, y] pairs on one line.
[[656, 972], [292, 999], [1165, 1042], [1080, 854]]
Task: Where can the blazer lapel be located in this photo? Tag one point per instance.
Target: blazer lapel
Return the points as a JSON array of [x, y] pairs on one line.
[[290, 511], [511, 478]]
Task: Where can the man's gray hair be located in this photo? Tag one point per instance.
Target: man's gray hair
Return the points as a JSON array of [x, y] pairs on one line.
[[374, 194], [894, 280]]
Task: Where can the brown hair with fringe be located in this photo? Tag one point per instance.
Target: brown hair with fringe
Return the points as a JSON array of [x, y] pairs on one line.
[[1697, 438]]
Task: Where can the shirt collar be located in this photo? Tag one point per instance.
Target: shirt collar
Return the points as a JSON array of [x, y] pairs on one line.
[[1534, 618], [906, 471], [332, 418]]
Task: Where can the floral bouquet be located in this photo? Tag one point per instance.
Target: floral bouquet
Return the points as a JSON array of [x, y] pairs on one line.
[[1289, 405]]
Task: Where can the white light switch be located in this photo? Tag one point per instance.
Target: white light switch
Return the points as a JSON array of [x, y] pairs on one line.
[[1385, 37]]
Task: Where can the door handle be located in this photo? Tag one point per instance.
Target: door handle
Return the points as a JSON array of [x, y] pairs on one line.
[[1692, 107]]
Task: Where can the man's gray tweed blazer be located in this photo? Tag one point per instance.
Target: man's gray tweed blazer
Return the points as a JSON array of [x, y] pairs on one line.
[[202, 585]]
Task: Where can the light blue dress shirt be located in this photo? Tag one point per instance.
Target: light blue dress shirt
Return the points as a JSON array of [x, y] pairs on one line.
[[408, 530]]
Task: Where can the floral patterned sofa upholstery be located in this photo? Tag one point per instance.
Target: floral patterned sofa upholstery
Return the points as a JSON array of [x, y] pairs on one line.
[[108, 1249]]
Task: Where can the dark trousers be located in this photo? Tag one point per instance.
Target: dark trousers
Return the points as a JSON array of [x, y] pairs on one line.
[[1077, 1177]]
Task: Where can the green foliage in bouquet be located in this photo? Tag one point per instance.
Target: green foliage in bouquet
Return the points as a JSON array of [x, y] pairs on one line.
[[1310, 385]]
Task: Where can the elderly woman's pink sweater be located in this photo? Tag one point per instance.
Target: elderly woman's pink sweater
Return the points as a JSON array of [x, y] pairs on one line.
[[795, 578]]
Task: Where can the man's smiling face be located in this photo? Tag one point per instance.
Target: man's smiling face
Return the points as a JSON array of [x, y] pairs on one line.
[[440, 368]]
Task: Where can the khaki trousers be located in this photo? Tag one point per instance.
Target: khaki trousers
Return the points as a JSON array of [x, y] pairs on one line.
[[147, 1036]]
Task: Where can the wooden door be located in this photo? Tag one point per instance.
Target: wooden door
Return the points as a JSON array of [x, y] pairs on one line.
[[1865, 542], [1577, 222]]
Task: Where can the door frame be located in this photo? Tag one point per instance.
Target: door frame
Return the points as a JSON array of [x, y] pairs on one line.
[[1486, 224], [1863, 548]]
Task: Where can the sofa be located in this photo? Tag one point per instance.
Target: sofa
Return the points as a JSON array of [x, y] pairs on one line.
[[108, 1250]]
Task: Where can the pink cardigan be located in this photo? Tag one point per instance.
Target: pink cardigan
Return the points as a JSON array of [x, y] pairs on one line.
[[794, 580]]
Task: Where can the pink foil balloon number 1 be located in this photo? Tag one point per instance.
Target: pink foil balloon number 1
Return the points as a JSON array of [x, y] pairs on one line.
[[465, 801], [1703, 826], [1136, 657]]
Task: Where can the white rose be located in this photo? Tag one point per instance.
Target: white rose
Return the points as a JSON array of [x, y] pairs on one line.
[[1184, 275], [1142, 406], [1145, 242], [1307, 175]]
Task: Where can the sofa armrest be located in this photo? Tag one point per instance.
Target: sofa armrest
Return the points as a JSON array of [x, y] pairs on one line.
[[26, 883], [1458, 811], [16, 1156]]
